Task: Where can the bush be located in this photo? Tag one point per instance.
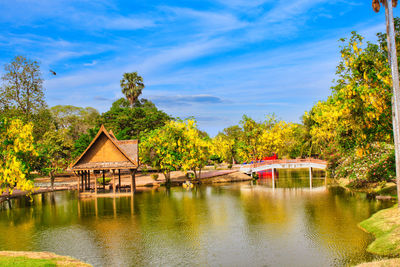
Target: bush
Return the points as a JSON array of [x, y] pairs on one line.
[[190, 175], [230, 166], [154, 176], [100, 180], [376, 164], [216, 158]]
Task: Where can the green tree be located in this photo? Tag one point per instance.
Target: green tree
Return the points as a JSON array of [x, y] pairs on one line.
[[76, 120], [132, 86], [131, 123], [161, 148], [22, 91], [54, 152], [83, 142]]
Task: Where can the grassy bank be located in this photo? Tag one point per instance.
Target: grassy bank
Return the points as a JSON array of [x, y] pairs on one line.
[[385, 226], [37, 259], [381, 263], [385, 190]]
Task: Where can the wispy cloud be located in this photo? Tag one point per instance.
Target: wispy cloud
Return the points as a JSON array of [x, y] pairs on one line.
[[216, 59], [167, 100]]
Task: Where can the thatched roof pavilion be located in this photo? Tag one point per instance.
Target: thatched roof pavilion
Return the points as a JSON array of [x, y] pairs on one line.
[[106, 153]]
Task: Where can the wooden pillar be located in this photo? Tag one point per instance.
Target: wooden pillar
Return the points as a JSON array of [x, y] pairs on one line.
[[119, 180], [95, 185], [82, 181], [85, 178], [78, 185], [89, 179], [114, 185], [104, 181], [310, 178]]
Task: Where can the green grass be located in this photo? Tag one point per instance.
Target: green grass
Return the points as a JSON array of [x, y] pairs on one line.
[[26, 262], [40, 259], [385, 226]]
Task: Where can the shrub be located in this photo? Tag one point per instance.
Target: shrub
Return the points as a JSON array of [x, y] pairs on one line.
[[216, 158], [375, 164], [230, 166], [190, 175], [100, 180], [154, 176]]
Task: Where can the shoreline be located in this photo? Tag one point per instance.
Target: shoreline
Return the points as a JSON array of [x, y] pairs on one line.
[[34, 258], [143, 182], [384, 225]]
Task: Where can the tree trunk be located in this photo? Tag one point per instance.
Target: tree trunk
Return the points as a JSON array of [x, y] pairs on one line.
[[199, 176], [9, 203], [195, 174], [167, 176]]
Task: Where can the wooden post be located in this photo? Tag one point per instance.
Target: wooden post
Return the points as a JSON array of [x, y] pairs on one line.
[[114, 187], [119, 180], [78, 185], [88, 179], [95, 185], [82, 181], [273, 178], [310, 178]]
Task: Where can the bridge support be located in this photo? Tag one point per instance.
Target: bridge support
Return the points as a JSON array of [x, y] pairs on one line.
[[273, 178], [310, 178]]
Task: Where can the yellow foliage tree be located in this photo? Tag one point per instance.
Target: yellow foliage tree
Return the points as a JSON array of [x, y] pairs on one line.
[[223, 147], [195, 149], [16, 147], [176, 146], [264, 138]]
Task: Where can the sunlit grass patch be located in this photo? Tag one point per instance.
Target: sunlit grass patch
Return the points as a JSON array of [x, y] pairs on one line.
[[37, 259], [385, 226]]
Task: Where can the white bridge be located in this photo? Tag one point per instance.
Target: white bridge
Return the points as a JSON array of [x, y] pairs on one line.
[[284, 164]]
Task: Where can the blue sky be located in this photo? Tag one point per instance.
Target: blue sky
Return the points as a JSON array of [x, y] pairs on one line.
[[214, 60]]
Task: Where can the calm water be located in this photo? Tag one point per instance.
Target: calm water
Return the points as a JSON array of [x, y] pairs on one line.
[[226, 225]]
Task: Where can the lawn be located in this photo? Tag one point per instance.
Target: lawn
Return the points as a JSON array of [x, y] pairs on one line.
[[37, 259]]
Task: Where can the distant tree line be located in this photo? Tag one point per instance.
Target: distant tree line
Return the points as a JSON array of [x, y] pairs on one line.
[[352, 128]]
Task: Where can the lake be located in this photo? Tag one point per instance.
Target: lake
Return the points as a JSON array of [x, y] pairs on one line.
[[242, 224]]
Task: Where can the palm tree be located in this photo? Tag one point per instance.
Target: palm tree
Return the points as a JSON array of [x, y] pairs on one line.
[[392, 56], [132, 86]]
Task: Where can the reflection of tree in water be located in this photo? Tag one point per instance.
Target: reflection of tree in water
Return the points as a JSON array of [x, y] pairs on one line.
[[262, 208], [332, 219]]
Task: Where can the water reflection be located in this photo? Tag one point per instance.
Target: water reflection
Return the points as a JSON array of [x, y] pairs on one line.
[[236, 224]]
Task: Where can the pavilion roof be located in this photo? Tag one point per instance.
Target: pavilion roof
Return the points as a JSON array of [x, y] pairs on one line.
[[107, 152]]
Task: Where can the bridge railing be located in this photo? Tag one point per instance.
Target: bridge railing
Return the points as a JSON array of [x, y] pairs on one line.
[[285, 161]]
